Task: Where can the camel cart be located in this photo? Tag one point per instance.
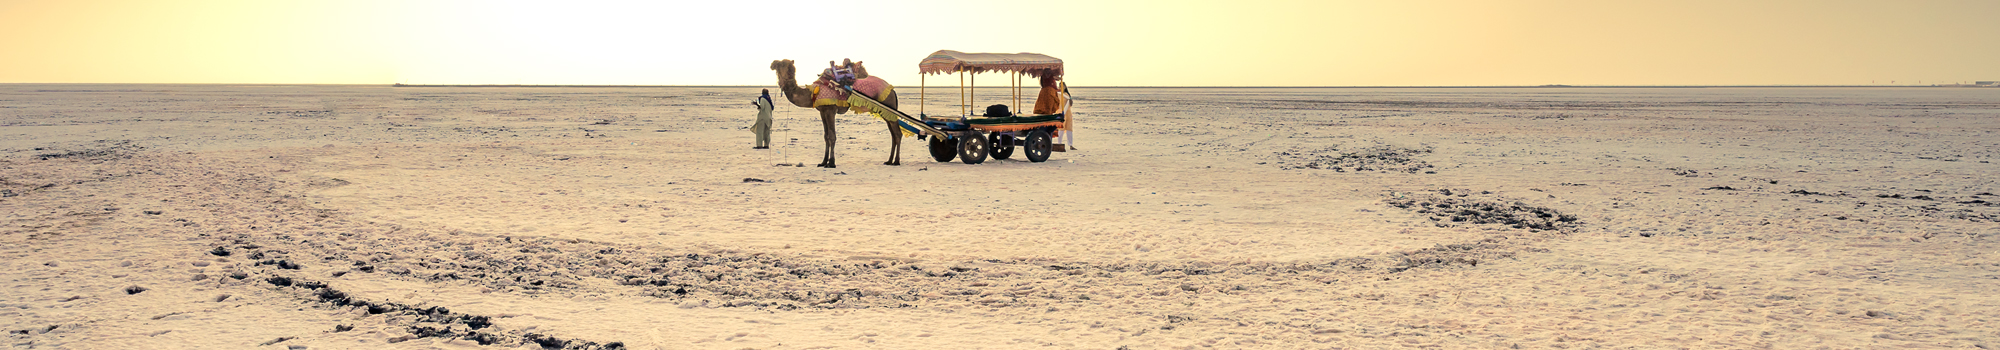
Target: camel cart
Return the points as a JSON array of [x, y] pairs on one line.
[[973, 138], [1037, 135]]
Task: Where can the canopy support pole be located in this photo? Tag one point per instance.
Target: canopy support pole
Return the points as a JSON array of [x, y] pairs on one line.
[[1017, 91], [974, 92], [961, 94]]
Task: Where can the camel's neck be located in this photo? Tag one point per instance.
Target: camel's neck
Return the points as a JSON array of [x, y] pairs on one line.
[[800, 96]]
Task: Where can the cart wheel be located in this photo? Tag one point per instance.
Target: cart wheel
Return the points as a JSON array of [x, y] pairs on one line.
[[1038, 146], [972, 148], [942, 149], [1003, 146]]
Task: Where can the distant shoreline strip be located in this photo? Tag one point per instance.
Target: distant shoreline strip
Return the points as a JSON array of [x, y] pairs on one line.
[[1084, 87], [1266, 87], [573, 86]]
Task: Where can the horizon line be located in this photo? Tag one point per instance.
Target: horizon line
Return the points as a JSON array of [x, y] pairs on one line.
[[1092, 87], [1213, 87]]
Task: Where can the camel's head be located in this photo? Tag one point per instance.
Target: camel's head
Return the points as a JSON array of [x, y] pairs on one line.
[[859, 72], [784, 67]]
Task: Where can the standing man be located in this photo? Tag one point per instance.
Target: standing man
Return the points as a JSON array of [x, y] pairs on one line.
[[763, 125]]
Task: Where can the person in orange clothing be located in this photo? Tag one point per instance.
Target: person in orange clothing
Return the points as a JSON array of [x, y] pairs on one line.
[[1050, 100]]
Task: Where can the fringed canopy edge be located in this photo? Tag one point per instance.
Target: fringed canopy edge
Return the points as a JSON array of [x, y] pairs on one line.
[[1032, 64]]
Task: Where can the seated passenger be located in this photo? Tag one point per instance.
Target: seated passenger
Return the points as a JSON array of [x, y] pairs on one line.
[[842, 73]]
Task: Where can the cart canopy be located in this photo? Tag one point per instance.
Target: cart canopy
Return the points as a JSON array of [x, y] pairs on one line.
[[1032, 64]]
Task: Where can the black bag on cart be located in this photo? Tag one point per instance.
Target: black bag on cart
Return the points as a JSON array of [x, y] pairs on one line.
[[997, 111]]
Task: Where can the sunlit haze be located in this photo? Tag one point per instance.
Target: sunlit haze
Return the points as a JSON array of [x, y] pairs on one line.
[[1118, 43]]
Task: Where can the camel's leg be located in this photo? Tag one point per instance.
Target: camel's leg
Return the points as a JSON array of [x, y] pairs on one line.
[[826, 118], [895, 131], [895, 145]]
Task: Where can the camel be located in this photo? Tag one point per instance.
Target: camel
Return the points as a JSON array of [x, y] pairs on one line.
[[803, 97]]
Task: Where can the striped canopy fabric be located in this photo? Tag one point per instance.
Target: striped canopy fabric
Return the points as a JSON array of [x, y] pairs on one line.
[[1033, 64]]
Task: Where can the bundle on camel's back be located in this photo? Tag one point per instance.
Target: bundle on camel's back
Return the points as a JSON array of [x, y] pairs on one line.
[[825, 96]]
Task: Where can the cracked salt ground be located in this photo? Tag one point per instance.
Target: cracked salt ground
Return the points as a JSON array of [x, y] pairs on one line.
[[366, 217]]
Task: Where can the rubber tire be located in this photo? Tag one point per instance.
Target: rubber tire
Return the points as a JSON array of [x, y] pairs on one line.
[[972, 148], [1002, 145], [1038, 146], [943, 150]]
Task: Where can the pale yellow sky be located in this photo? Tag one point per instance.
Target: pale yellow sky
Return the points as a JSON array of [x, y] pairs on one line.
[[1142, 43]]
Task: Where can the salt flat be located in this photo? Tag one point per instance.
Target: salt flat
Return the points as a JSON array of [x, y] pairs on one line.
[[219, 216]]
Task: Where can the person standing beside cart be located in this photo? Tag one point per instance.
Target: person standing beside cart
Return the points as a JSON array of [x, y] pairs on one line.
[[763, 125], [1049, 101]]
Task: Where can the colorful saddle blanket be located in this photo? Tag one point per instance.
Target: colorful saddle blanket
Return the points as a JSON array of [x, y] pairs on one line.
[[825, 93], [874, 87]]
